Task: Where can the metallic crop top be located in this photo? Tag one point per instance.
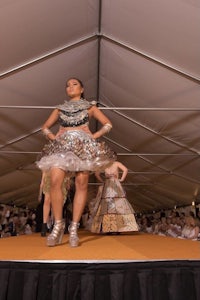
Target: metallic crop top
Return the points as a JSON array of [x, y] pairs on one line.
[[74, 113]]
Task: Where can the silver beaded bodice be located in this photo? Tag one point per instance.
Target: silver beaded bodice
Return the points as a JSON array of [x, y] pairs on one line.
[[74, 113]]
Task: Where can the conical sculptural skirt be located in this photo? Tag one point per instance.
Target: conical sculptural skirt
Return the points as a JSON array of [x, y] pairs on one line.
[[113, 212]]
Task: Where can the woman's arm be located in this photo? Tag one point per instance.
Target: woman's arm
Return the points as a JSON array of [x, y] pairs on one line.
[[98, 176], [49, 123], [124, 171], [98, 115]]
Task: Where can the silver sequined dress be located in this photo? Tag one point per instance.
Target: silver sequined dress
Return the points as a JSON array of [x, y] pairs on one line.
[[75, 150]]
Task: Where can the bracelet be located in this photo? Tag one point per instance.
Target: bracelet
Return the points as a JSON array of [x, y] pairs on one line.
[[46, 131], [107, 127], [104, 129]]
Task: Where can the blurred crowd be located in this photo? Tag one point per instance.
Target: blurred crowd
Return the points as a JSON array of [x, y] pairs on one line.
[[183, 224], [16, 221]]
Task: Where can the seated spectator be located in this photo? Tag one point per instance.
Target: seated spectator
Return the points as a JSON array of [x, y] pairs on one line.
[[28, 229], [174, 229], [155, 225], [163, 226], [146, 225], [191, 229]]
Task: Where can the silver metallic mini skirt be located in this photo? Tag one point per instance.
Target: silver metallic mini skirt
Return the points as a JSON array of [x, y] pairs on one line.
[[75, 151]]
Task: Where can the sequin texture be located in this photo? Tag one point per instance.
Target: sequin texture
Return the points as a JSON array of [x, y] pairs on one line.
[[74, 113], [76, 151]]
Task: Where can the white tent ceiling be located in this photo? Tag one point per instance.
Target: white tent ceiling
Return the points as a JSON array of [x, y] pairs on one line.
[[142, 56]]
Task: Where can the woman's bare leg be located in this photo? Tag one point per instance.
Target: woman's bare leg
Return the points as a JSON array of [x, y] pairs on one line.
[[56, 194], [46, 210], [80, 197], [81, 184], [46, 207]]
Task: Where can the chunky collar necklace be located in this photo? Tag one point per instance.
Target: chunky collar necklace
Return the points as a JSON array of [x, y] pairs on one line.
[[74, 105]]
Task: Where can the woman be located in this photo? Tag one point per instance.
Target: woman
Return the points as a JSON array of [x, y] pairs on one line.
[[73, 151], [45, 190], [191, 228], [114, 213]]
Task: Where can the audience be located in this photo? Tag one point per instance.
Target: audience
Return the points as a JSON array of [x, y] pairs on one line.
[[178, 224], [173, 224], [16, 221]]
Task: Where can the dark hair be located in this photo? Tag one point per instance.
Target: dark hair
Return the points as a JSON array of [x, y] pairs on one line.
[[81, 84], [162, 214]]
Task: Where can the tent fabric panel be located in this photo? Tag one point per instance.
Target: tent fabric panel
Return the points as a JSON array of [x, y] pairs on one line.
[[168, 31], [32, 29]]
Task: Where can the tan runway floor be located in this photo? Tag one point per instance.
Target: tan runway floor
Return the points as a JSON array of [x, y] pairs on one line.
[[131, 246]]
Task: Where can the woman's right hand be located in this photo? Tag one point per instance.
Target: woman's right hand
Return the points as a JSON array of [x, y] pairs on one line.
[[60, 132], [53, 138]]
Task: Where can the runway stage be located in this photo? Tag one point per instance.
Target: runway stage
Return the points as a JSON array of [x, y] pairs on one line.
[[128, 266]]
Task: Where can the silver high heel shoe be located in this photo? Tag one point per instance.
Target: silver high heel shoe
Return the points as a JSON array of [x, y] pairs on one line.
[[55, 238], [73, 236]]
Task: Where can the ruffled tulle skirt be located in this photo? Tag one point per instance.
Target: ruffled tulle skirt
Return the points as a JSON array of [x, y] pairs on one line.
[[76, 151], [112, 211]]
